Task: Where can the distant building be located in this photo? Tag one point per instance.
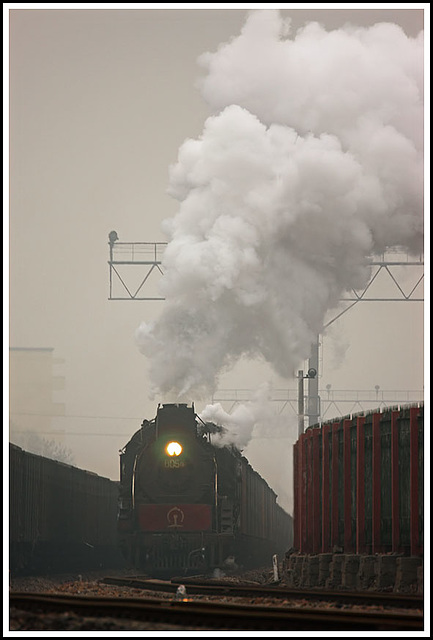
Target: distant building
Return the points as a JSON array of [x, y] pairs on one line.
[[32, 385]]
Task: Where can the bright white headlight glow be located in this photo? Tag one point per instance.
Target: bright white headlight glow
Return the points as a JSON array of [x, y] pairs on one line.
[[173, 449]]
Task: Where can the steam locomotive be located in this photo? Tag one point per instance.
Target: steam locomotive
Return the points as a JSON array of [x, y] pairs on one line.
[[187, 506]]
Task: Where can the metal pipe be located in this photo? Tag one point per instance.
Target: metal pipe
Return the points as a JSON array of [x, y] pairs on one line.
[[313, 401], [300, 402]]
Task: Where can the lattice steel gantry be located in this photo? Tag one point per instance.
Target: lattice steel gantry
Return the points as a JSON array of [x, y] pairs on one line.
[[147, 257], [143, 257]]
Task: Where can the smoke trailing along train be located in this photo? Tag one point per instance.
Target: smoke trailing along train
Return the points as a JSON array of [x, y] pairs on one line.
[[186, 505]]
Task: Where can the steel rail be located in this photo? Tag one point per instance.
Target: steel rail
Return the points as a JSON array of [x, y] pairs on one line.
[[218, 615], [213, 587]]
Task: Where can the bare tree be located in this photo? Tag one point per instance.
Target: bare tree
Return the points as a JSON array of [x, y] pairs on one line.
[[35, 443]]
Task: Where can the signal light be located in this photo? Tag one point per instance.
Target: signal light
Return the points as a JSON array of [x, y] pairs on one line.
[[173, 449]]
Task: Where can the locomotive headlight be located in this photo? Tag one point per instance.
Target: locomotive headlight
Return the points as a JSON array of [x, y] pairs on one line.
[[173, 449]]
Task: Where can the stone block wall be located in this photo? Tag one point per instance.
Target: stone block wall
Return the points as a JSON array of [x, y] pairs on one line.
[[354, 572]]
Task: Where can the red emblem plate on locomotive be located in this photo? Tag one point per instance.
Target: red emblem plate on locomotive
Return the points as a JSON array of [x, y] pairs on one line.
[[175, 517]]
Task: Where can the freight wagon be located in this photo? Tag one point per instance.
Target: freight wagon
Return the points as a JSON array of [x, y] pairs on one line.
[[359, 484], [60, 517]]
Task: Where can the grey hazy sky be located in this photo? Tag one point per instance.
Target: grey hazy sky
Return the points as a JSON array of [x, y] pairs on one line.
[[100, 102]]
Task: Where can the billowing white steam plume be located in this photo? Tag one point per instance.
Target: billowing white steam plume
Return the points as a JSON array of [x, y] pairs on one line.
[[247, 420], [312, 161], [264, 436]]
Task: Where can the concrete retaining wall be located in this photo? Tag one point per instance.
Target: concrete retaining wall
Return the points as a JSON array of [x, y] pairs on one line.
[[354, 572]]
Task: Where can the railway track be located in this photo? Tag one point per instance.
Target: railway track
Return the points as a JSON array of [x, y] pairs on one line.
[[196, 586], [220, 615]]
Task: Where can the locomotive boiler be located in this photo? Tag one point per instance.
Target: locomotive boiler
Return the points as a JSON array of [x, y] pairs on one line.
[[186, 505]]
